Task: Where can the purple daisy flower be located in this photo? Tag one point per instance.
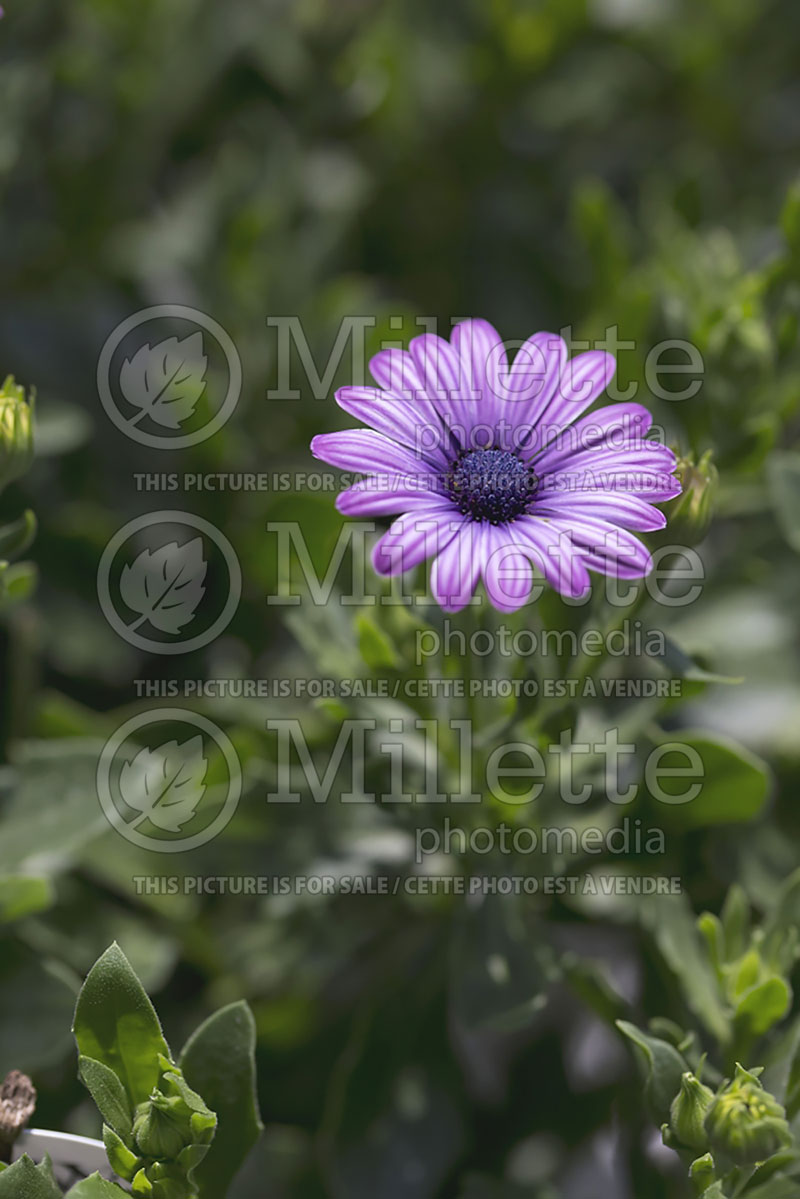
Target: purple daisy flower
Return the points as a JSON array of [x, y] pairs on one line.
[[494, 468]]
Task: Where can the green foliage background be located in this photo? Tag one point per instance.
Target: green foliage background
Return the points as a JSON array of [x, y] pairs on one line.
[[551, 164]]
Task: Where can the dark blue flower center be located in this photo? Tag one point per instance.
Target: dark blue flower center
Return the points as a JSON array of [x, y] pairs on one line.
[[493, 485]]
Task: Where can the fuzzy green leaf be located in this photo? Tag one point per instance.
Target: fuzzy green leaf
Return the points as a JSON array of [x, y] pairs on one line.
[[218, 1062], [116, 1024]]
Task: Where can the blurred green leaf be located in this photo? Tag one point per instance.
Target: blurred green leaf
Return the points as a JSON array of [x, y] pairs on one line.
[[16, 537], [783, 474], [374, 645], [39, 834], [662, 1067], [734, 783], [37, 999], [672, 924], [763, 1006], [20, 896], [218, 1061]]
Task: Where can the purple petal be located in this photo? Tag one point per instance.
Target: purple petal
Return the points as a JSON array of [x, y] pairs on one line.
[[394, 370], [555, 554], [383, 495], [616, 427], [655, 486], [441, 369], [626, 510], [582, 380], [484, 367], [404, 421], [362, 450], [649, 456], [531, 384], [606, 541], [414, 538], [455, 571], [506, 570], [616, 568]]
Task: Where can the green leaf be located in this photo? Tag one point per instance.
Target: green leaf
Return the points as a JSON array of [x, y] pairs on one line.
[[17, 583], [672, 924], [218, 1062], [37, 999], [500, 969], [38, 834], [783, 476], [109, 1094], [17, 536], [763, 1006], [781, 1074], [734, 783], [374, 645], [778, 1187], [780, 926], [20, 895], [663, 1067], [787, 1161], [790, 217], [95, 1187], [680, 665], [736, 922], [116, 1024], [24, 1180]]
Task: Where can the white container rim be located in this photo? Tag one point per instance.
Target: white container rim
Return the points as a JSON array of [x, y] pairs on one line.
[[64, 1149]]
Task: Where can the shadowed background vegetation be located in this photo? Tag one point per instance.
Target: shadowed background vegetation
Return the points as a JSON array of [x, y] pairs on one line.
[[544, 165]]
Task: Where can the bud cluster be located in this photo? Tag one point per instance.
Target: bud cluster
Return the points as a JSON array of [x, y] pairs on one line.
[[170, 1136], [752, 967], [741, 1124]]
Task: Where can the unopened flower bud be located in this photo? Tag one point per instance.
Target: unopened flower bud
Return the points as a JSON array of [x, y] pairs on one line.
[[702, 1174], [170, 1183], [688, 1111], [16, 432], [172, 1130], [157, 1130], [745, 1122], [689, 514]]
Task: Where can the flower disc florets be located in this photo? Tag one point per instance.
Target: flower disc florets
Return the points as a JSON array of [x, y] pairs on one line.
[[745, 1121], [493, 485]]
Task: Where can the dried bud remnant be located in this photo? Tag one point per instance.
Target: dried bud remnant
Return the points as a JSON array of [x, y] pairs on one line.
[[17, 1104]]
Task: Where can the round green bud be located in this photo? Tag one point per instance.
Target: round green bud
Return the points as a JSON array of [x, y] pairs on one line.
[[745, 1122], [688, 1111], [16, 432], [689, 514], [157, 1129]]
